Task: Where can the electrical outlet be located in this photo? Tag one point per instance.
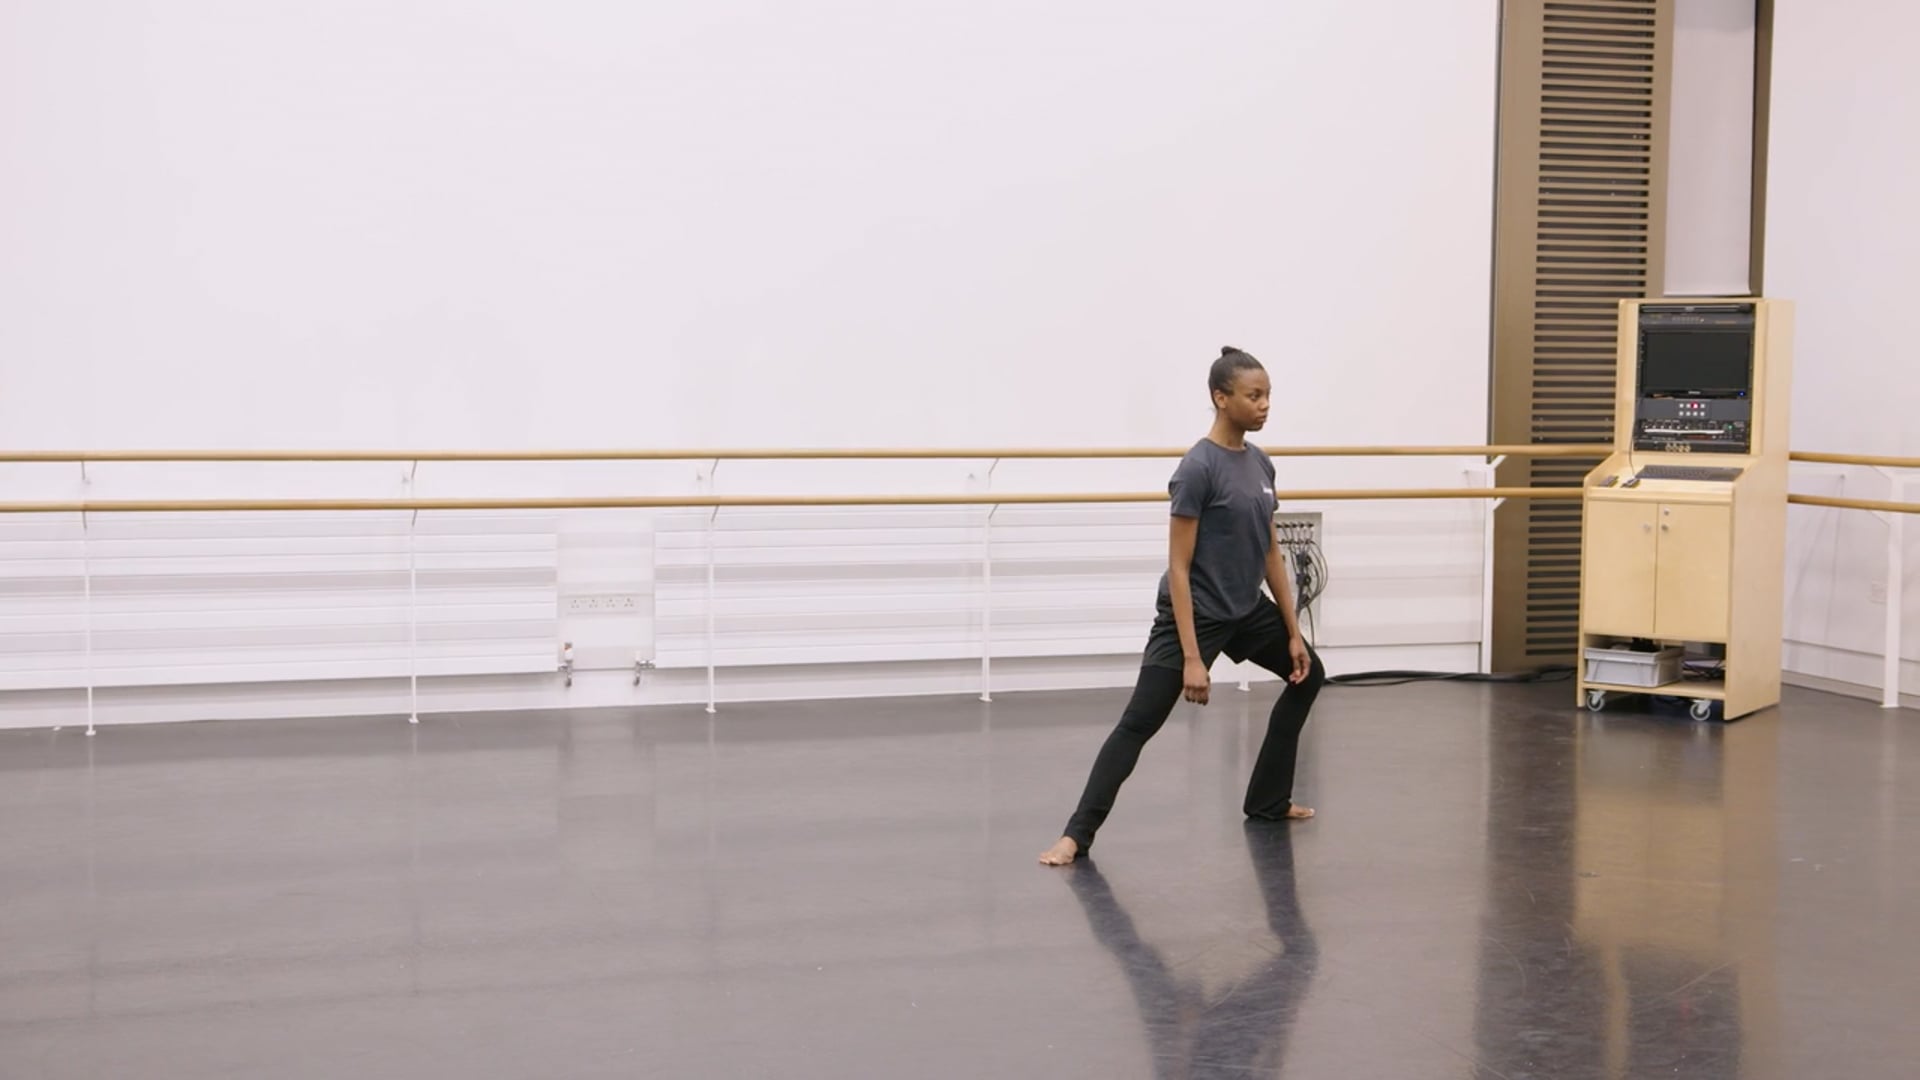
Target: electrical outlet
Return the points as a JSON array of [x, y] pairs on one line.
[[1298, 535], [1298, 528], [601, 604], [1877, 592]]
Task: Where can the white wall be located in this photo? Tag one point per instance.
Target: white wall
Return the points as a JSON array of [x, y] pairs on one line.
[[1710, 150], [1841, 219], [438, 224]]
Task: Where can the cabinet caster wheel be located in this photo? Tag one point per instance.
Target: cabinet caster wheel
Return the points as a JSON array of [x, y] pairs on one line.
[[1596, 700], [1701, 709]]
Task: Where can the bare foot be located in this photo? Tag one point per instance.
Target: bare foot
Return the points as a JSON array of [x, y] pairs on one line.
[[1061, 853], [1294, 812]]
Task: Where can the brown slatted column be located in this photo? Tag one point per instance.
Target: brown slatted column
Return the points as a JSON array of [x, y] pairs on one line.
[[1581, 194]]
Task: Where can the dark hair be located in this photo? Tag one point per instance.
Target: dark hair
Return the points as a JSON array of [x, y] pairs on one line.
[[1231, 363]]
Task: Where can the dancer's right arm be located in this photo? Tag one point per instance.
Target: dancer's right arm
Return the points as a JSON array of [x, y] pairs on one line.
[[1183, 533]]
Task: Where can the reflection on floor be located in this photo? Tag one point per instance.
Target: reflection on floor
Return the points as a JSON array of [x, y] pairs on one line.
[[1498, 885]]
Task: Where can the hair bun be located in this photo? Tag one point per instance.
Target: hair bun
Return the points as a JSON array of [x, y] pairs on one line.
[[1228, 350]]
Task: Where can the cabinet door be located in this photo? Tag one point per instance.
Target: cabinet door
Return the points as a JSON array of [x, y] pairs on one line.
[[1618, 568], [1696, 550]]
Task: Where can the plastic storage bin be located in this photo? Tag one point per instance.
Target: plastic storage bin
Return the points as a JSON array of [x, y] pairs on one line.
[[1625, 667]]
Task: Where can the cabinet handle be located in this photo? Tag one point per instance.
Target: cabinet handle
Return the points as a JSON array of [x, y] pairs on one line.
[[1666, 528], [1646, 526]]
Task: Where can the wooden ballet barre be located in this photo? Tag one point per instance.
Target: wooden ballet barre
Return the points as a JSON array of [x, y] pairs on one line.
[[1869, 460], [1530, 450], [688, 502], [27, 457], [1883, 505]]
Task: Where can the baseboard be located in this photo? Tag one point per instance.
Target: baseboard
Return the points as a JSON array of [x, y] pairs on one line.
[[1840, 670], [615, 689], [1844, 689]]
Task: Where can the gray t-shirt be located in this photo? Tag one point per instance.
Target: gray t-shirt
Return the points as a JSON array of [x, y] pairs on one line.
[[1231, 492]]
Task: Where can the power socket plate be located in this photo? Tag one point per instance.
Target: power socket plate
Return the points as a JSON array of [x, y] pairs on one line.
[[1299, 528], [602, 604]]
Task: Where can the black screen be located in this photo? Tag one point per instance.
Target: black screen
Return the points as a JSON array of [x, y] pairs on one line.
[[1695, 362]]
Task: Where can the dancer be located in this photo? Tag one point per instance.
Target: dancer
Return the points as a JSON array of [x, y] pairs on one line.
[[1223, 544]]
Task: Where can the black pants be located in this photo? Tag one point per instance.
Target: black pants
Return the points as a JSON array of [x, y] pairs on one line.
[[1269, 789]]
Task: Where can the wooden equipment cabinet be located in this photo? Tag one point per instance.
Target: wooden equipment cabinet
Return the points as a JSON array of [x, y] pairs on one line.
[[1679, 561]]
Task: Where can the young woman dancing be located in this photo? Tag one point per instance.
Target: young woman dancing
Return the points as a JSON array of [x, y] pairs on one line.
[[1223, 545]]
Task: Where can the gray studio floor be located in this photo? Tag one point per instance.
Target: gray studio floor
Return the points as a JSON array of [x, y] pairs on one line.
[[1498, 886]]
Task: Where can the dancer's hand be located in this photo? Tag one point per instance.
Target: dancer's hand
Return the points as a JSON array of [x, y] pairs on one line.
[[1197, 681], [1302, 663]]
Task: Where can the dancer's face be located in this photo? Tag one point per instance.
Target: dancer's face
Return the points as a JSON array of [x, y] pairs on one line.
[[1246, 405]]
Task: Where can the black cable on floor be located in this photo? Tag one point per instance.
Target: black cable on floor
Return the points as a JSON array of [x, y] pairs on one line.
[[1311, 575], [1402, 678]]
